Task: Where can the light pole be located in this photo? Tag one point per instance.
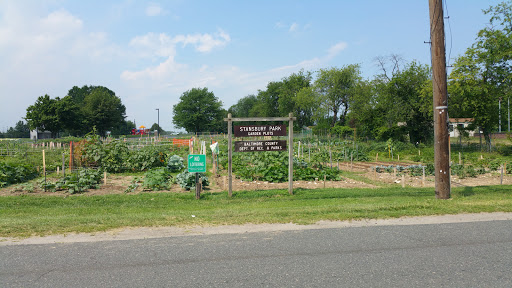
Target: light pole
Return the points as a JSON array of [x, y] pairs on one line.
[[158, 123]]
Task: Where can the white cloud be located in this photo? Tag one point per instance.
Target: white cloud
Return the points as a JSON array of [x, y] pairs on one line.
[[153, 9], [294, 27], [336, 49], [164, 46], [204, 42]]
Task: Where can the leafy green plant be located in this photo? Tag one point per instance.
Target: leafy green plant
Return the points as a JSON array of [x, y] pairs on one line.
[[16, 173], [157, 179], [175, 163], [133, 185], [188, 180], [79, 181], [146, 158]]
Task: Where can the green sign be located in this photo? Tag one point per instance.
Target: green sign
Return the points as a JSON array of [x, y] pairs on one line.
[[196, 163]]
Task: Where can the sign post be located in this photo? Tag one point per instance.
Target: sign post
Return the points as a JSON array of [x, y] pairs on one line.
[[265, 145], [197, 164]]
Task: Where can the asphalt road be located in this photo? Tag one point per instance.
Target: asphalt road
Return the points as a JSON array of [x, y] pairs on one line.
[[477, 254]]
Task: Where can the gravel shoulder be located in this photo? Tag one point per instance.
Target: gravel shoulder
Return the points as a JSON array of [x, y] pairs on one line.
[[162, 232]]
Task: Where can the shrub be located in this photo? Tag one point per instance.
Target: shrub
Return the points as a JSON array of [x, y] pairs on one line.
[[188, 180], [175, 163], [77, 182], [157, 179], [16, 173]]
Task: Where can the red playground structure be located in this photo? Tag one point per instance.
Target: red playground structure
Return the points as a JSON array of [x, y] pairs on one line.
[[142, 130]]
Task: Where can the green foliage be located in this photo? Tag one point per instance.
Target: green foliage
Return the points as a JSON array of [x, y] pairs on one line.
[[146, 158], [79, 181], [116, 157], [273, 167], [175, 163], [188, 180], [11, 173], [199, 111], [342, 131], [157, 179], [133, 185], [337, 87], [21, 130], [43, 115], [482, 75]]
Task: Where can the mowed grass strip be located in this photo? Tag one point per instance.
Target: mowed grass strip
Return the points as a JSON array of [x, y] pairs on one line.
[[23, 216]]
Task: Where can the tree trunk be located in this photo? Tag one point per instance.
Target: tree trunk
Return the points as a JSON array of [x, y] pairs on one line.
[[335, 116]]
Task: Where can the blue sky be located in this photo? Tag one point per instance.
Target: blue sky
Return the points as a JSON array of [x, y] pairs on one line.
[[150, 52]]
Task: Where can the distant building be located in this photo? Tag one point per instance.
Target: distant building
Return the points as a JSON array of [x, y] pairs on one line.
[[462, 123], [39, 135]]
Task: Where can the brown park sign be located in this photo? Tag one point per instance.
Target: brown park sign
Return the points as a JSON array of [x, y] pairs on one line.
[[260, 130], [260, 146]]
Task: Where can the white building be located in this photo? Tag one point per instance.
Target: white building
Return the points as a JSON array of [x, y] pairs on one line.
[[38, 135], [462, 123]]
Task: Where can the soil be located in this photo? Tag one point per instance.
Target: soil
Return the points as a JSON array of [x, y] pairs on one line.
[[118, 184]]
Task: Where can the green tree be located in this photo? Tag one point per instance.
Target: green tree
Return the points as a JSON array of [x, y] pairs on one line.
[[103, 110], [410, 99], [289, 101], [337, 87], [483, 74], [125, 128], [199, 111], [155, 127], [244, 107], [268, 101], [43, 115], [20, 130]]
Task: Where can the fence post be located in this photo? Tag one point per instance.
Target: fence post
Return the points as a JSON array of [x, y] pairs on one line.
[[423, 178], [44, 170], [63, 165], [71, 156], [501, 182]]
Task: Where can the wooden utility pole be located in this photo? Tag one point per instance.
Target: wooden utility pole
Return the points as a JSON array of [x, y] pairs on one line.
[[441, 135]]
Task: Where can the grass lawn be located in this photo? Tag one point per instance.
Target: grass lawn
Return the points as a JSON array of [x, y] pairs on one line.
[[23, 216]]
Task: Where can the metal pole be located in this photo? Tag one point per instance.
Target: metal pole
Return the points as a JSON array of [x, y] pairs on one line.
[[508, 108], [440, 99]]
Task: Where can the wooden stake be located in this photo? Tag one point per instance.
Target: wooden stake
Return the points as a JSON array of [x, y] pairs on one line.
[[44, 163], [403, 180], [105, 177], [423, 178], [501, 182]]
